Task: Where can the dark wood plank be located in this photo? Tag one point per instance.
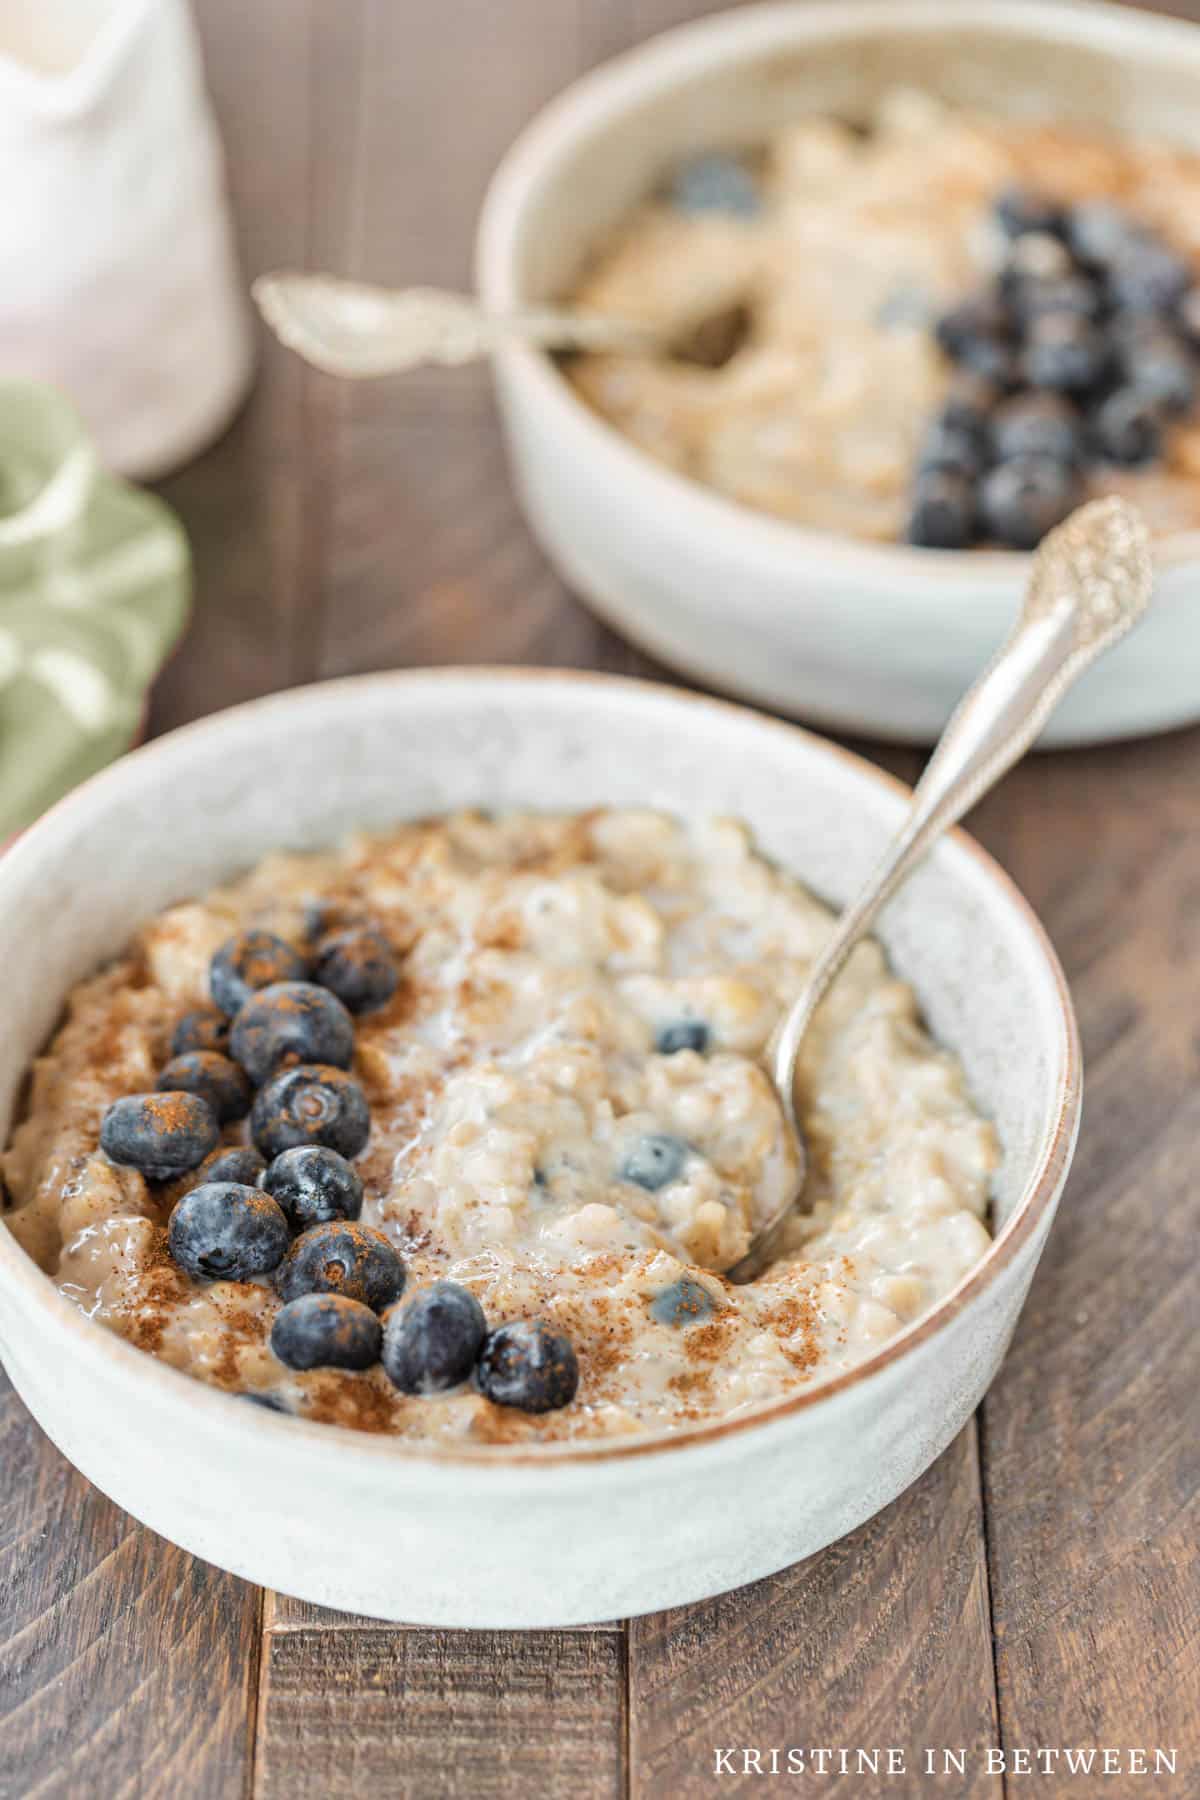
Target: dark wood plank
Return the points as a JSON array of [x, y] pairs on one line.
[[128, 1667], [1092, 1472], [251, 505], [880, 1642], [440, 1713]]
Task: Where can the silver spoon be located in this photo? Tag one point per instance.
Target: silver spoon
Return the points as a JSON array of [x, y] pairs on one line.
[[1090, 583], [350, 328]]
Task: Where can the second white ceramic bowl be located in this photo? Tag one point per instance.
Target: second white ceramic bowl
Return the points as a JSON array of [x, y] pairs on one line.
[[876, 639], [566, 1534]]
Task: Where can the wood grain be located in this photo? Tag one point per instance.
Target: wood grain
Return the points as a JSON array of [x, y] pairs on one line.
[[882, 1641], [441, 1713], [126, 1667], [1092, 1465]]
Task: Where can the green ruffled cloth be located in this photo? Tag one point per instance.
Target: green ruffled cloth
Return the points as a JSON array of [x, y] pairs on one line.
[[95, 581]]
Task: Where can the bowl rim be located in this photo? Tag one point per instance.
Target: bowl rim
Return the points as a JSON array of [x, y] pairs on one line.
[[134, 1366], [594, 99]]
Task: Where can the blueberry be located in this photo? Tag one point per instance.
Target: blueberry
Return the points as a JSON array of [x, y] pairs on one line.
[[1065, 352], [1037, 425], [1149, 278], [969, 403], [1020, 209], [1127, 428], [1068, 294], [684, 1034], [326, 1331], [214, 1078], [314, 1185], [240, 1164], [340, 1258], [292, 1022], [942, 515], [1022, 499], [203, 1029], [978, 333], [359, 967], [952, 447], [530, 1366], [162, 1135], [311, 1104], [654, 1160], [1160, 366], [225, 1232], [685, 1302], [715, 182], [432, 1343], [249, 961], [1099, 232]]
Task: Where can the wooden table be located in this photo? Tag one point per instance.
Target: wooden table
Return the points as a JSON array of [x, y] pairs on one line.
[[1040, 1586]]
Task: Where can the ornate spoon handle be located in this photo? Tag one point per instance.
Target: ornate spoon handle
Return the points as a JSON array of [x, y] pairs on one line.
[[1091, 582]]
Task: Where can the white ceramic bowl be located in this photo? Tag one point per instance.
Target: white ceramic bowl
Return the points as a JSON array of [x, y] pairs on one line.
[[561, 1535], [877, 639]]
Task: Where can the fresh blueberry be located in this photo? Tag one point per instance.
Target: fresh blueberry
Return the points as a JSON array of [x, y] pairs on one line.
[[1024, 498], [341, 1258], [685, 1302], [326, 1331], [292, 1022], [715, 182], [314, 1185], [214, 1078], [1037, 425], [311, 1104], [1019, 210], [432, 1343], [978, 334], [240, 1164], [359, 967], [1099, 232], [162, 1135], [1149, 278], [1065, 294], [1160, 366], [529, 1366], [684, 1034], [1127, 428], [1065, 352], [225, 1232], [249, 961], [969, 403], [204, 1029], [654, 1160], [951, 447], [942, 514]]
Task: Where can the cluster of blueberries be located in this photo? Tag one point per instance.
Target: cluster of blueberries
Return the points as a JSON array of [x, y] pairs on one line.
[[277, 1044], [1077, 354]]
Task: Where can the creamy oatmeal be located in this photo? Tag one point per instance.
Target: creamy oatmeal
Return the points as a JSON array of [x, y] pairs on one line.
[[836, 251], [569, 1117]]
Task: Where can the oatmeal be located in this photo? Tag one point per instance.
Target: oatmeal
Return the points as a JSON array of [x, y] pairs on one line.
[[853, 270], [552, 1129]]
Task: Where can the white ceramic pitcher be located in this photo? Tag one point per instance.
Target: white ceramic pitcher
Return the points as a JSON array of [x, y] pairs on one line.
[[118, 281]]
